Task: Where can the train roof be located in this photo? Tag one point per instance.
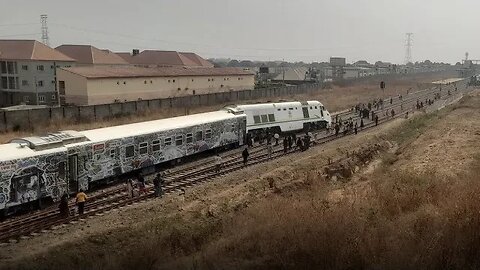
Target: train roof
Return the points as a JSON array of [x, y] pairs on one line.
[[17, 150], [138, 129], [274, 105]]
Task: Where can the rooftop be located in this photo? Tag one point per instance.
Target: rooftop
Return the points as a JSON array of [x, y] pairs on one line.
[[30, 50], [87, 54], [98, 72], [165, 58]]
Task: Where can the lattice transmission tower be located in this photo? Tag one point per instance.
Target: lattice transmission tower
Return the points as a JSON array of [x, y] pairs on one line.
[[43, 20], [408, 48]]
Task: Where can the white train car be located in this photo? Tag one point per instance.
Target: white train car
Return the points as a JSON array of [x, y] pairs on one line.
[[284, 117], [44, 168]]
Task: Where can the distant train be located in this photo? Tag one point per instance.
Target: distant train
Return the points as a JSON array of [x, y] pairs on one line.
[[41, 168]]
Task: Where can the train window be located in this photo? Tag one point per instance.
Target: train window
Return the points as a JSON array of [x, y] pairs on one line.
[[279, 109], [315, 107], [256, 119], [291, 109], [284, 109], [129, 151], [311, 108], [264, 118], [271, 118], [189, 138], [178, 140], [208, 134], [143, 148], [168, 141], [112, 153], [156, 146], [199, 136], [321, 113]]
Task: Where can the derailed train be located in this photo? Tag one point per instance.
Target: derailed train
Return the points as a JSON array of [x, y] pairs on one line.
[[46, 167]]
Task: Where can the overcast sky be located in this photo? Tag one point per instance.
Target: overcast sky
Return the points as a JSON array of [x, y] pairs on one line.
[[294, 30]]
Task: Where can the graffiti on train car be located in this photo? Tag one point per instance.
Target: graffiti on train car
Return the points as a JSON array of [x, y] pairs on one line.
[[29, 179]]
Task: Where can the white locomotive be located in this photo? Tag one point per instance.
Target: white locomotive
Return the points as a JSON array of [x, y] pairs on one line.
[[284, 117]]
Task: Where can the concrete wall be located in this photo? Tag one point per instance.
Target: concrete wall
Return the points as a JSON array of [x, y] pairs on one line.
[[28, 119]]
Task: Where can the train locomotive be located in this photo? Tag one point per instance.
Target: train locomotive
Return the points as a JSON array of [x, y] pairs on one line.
[[43, 168]]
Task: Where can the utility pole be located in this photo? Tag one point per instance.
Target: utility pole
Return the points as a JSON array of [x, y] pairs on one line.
[[43, 20], [408, 47]]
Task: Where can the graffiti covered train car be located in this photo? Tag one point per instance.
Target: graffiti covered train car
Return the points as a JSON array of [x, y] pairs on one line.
[[44, 168]]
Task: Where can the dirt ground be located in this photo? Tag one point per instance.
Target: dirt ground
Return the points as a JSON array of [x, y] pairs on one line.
[[335, 99]]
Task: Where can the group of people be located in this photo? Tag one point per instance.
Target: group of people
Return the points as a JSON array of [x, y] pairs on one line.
[[81, 197]]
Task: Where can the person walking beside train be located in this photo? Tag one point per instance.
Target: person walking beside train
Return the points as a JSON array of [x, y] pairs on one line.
[[285, 145], [218, 163], [81, 198], [63, 206], [245, 155], [158, 183]]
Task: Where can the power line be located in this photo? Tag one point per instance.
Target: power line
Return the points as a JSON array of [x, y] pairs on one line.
[[21, 35]]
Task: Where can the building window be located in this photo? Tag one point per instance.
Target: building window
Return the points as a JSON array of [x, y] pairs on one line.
[[52, 67], [208, 79], [199, 136], [4, 83], [40, 68], [151, 82], [41, 98], [24, 82], [221, 86], [173, 80], [208, 134], [26, 98], [118, 83], [40, 83], [12, 67], [145, 82], [143, 148], [61, 87], [155, 146], [129, 151], [11, 83], [192, 80], [213, 80], [24, 67], [178, 140], [168, 141], [189, 138], [168, 80], [3, 67], [124, 82]]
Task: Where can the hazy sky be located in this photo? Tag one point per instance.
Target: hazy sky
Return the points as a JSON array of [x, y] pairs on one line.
[[293, 30]]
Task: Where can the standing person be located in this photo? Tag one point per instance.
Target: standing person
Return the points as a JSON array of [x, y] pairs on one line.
[[245, 155], [63, 206], [393, 113], [276, 136], [81, 198], [361, 124], [290, 142], [285, 145], [218, 163], [130, 188], [356, 128], [141, 183], [300, 144], [270, 150], [376, 120], [157, 183]]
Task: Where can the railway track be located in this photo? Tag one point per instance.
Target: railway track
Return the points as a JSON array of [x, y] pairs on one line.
[[177, 179]]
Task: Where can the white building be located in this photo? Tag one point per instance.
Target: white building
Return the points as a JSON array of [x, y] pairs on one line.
[[28, 72]]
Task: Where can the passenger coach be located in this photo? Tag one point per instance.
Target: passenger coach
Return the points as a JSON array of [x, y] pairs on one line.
[[39, 168]]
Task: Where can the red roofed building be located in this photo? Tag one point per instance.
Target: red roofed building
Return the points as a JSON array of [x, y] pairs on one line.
[[155, 58]]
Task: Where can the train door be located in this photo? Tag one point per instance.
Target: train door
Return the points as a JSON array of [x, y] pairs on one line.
[[73, 173], [306, 114]]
